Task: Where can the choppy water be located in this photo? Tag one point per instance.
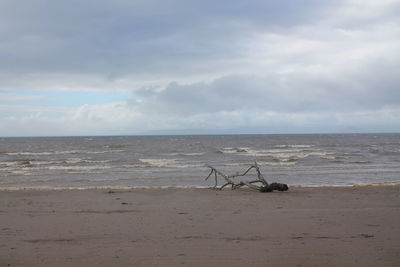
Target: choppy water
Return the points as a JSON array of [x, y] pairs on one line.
[[180, 160]]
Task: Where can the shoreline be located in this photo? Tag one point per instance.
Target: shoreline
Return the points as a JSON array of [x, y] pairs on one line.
[[305, 226], [117, 187]]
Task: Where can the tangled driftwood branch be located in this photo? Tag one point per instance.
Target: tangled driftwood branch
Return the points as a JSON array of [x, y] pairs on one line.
[[259, 184]]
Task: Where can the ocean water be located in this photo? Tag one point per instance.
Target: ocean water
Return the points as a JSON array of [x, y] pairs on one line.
[[119, 161]]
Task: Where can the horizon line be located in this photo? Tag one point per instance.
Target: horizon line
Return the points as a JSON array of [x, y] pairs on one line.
[[211, 134]]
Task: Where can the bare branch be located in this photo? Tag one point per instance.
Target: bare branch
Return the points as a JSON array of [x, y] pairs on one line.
[[263, 187]]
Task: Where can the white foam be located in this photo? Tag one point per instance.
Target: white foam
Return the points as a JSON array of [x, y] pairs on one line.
[[275, 153], [276, 163], [56, 188], [159, 162], [184, 154], [73, 160], [35, 163], [262, 163], [294, 146], [130, 166], [74, 168], [20, 172], [301, 146], [280, 150], [27, 153], [329, 157], [80, 160], [170, 163], [45, 162], [232, 150], [234, 164], [102, 152], [9, 163]]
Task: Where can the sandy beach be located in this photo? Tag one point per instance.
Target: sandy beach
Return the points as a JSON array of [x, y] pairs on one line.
[[331, 226]]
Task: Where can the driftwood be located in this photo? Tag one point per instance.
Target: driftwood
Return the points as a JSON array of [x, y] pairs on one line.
[[259, 184]]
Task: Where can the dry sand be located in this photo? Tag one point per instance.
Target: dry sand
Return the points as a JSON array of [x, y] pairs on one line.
[[354, 226]]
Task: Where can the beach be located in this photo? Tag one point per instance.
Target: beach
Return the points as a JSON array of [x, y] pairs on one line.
[[305, 226]]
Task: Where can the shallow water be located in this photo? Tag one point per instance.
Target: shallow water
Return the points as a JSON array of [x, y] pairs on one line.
[[337, 159]]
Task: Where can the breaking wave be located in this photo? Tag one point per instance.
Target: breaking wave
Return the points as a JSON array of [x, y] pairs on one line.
[[170, 163], [27, 153], [79, 168], [184, 154], [277, 154], [293, 146]]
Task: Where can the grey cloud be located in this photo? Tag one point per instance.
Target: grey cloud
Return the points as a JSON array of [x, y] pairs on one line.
[[372, 87], [120, 37]]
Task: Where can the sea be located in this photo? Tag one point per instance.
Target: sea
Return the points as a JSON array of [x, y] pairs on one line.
[[181, 161]]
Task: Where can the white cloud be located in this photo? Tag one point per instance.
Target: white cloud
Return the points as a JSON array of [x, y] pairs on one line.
[[119, 119]]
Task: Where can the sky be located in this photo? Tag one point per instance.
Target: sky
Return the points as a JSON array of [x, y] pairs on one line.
[[134, 67]]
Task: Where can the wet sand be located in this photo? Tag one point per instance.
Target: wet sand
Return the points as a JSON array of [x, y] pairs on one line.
[[352, 226]]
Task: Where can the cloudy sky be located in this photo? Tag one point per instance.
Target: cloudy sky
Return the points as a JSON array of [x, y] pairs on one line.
[[98, 67]]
